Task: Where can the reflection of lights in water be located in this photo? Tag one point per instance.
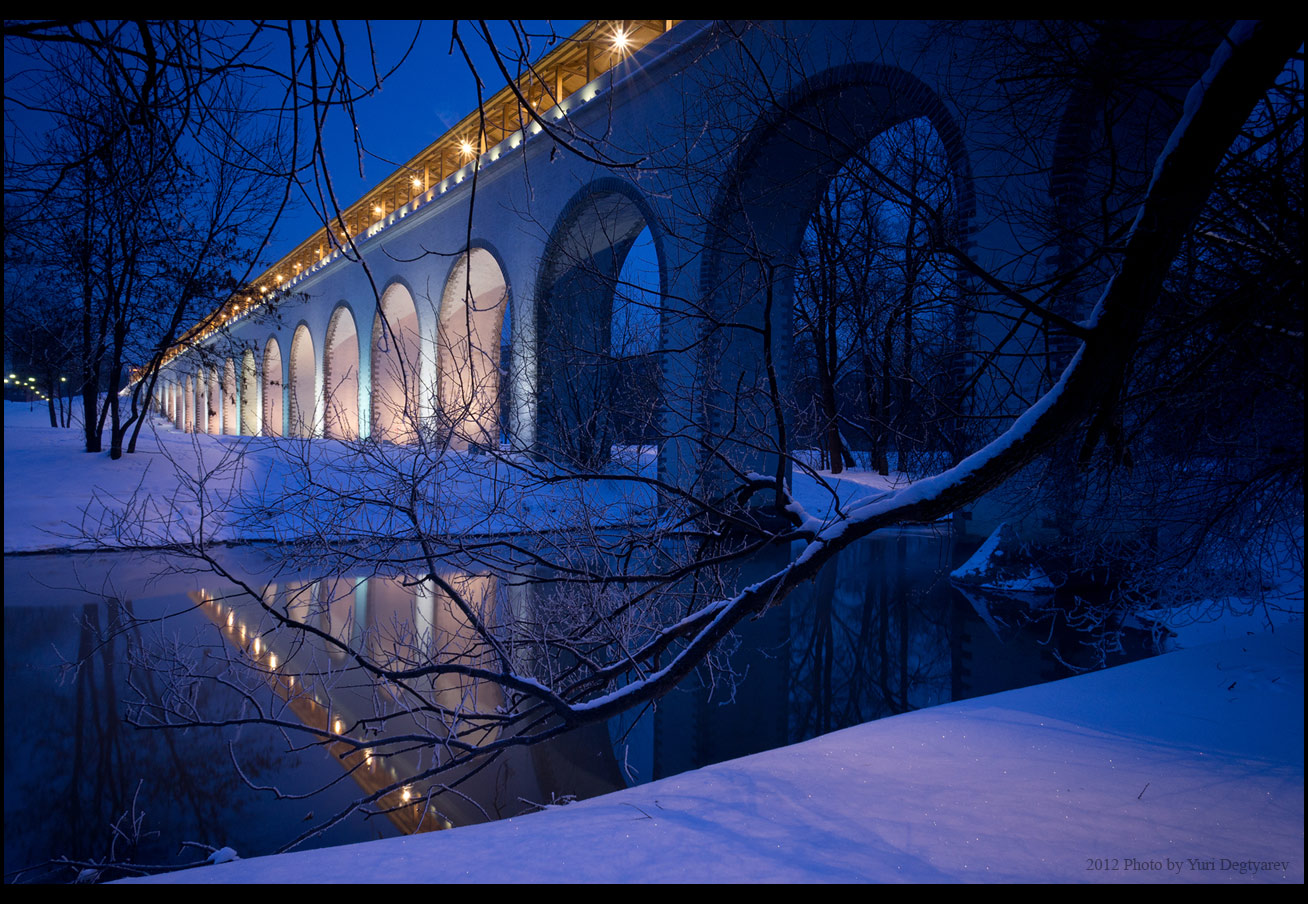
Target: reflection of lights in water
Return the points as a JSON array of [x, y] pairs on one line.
[[272, 661], [258, 646], [231, 619], [338, 726], [406, 795], [367, 757], [242, 633]]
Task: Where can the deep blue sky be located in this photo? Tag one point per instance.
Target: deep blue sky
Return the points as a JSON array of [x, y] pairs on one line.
[[431, 91]]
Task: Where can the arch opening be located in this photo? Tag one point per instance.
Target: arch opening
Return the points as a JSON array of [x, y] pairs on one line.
[[874, 319], [230, 426], [341, 376], [249, 394], [214, 413], [470, 351], [598, 309], [396, 363], [272, 389], [765, 208], [303, 407]]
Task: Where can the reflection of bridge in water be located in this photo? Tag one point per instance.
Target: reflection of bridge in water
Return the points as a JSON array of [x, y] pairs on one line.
[[405, 742], [878, 632]]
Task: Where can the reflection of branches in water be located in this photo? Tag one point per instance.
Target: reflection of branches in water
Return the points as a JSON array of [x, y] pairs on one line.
[[874, 641], [613, 643], [74, 741]]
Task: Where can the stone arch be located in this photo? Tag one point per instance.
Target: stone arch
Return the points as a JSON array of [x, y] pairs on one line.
[[249, 394], [396, 367], [469, 350], [577, 418], [340, 368], [303, 385], [230, 426], [273, 388], [214, 421], [758, 224], [200, 399]]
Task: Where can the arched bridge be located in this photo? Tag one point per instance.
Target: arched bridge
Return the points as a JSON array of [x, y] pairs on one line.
[[484, 314]]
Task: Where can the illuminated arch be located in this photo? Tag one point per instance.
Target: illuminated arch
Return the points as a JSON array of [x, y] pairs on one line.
[[189, 406], [396, 367], [303, 406], [249, 394], [273, 413], [214, 419], [230, 427], [341, 375], [468, 350]]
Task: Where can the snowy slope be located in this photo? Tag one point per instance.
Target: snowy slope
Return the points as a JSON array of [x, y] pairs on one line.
[[56, 496], [1153, 771]]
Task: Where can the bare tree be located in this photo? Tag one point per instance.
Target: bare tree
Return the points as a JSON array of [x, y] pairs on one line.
[[146, 194], [873, 301], [520, 627]]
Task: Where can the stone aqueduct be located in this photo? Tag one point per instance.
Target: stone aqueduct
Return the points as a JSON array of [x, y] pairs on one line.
[[717, 139]]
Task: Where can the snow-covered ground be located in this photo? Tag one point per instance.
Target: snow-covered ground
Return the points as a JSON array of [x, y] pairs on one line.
[[59, 497], [1187, 767]]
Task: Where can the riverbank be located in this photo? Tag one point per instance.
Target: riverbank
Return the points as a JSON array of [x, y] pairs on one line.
[[179, 487]]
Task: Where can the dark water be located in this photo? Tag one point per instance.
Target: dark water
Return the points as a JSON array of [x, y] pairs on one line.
[[74, 769], [880, 632]]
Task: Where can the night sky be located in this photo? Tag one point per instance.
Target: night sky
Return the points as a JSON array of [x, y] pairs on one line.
[[431, 90]]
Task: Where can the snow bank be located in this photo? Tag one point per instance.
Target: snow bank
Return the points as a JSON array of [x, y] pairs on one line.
[[1002, 564], [241, 488]]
